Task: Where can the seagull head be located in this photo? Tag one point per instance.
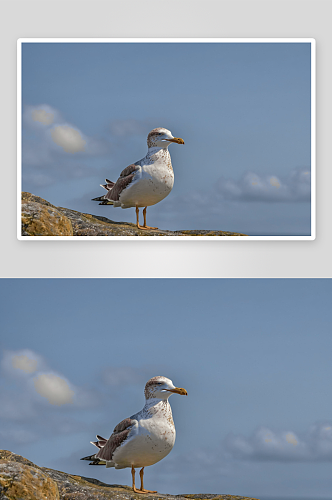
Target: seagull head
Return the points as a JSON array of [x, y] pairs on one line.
[[162, 138], [161, 388]]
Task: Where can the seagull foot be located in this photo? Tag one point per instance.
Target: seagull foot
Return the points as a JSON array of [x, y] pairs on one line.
[[135, 490], [146, 227]]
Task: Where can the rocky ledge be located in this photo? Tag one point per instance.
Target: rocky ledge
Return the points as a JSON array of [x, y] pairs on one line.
[[22, 479], [41, 218]]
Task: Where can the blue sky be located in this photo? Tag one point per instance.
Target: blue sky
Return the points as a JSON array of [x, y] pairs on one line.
[[242, 109], [254, 356]]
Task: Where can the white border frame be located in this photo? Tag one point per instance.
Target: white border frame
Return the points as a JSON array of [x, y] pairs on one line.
[[312, 41]]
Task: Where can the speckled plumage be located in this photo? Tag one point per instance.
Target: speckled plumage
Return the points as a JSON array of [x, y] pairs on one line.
[[146, 437], [147, 181]]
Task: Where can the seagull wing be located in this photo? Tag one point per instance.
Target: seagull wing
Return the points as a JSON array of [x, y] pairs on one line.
[[117, 438], [126, 177]]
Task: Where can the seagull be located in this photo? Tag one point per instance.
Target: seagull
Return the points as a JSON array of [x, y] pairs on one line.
[[147, 181], [143, 439]]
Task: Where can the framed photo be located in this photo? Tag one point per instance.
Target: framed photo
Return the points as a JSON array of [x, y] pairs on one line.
[[195, 137]]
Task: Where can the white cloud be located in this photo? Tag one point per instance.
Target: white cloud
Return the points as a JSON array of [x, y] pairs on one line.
[[314, 445], [42, 116], [68, 138], [274, 182], [270, 188], [48, 137], [55, 389], [24, 363], [250, 187], [237, 205], [54, 150], [48, 129], [243, 464], [21, 363], [37, 403], [35, 379]]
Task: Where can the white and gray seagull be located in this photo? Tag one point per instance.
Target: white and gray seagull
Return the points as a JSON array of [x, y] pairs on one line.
[[147, 181], [143, 439]]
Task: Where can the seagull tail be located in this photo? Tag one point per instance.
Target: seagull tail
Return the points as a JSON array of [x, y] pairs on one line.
[[100, 443], [94, 460], [103, 201], [89, 457], [109, 184]]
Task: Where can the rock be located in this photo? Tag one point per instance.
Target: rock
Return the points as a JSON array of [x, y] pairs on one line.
[[40, 218], [21, 479]]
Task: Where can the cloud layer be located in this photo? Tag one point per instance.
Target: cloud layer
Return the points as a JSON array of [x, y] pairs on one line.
[[313, 445], [54, 150], [37, 401], [296, 187], [46, 125], [35, 377]]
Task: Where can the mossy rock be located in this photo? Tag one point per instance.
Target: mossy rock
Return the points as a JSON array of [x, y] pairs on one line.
[[40, 218], [21, 481]]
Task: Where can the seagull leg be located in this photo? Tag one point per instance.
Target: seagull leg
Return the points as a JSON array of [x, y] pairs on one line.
[[137, 220], [142, 490], [144, 225], [133, 476]]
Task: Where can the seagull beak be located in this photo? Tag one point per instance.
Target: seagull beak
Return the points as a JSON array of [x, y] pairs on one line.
[[178, 140], [178, 390]]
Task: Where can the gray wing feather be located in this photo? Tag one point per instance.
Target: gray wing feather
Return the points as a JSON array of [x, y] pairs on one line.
[[114, 189], [129, 170], [117, 438], [126, 177]]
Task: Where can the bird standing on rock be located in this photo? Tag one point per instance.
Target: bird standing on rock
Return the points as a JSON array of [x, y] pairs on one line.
[[147, 181], [143, 439]]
